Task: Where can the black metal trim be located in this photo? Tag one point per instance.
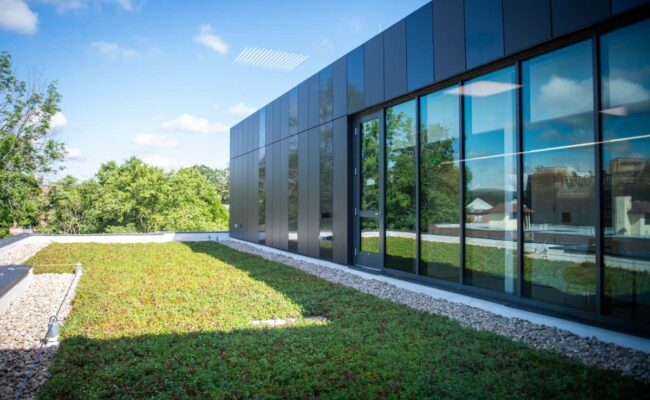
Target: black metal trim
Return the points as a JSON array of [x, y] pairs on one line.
[[598, 175], [519, 133], [461, 169], [418, 245]]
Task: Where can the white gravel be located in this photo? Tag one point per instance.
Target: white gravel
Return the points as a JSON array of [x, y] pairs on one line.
[[19, 252], [590, 351], [22, 327]]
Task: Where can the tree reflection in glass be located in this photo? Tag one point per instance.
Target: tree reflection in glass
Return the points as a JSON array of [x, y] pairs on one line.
[[400, 187], [369, 185], [439, 185]]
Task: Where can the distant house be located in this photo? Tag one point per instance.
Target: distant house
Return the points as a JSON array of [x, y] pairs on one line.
[[503, 216], [631, 218], [479, 210]]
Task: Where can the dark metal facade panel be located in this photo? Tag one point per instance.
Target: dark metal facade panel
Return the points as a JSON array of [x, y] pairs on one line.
[[314, 101], [341, 191], [571, 15], [247, 135], [268, 112], [314, 193], [326, 89], [303, 192], [284, 116], [277, 195], [448, 38], [419, 48], [395, 60], [374, 70], [619, 6], [303, 106], [483, 31], [339, 86], [283, 196], [269, 196], [277, 120], [248, 200], [355, 80], [293, 111], [525, 23]]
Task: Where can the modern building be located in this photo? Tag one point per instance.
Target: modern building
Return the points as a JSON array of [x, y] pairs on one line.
[[499, 148]]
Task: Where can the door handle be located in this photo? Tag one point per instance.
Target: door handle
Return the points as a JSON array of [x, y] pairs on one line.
[[377, 214]]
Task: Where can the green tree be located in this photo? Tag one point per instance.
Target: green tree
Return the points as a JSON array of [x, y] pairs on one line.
[[220, 177], [135, 197], [27, 149]]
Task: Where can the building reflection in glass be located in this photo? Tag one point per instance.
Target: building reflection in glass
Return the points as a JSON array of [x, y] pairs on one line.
[[559, 165], [625, 57]]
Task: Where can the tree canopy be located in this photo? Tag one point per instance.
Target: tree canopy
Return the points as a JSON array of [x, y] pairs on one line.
[[27, 147], [135, 197]]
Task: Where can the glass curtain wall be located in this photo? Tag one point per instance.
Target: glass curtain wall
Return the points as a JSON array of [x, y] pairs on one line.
[[292, 144], [559, 177], [440, 185], [369, 185], [491, 181], [326, 184], [625, 116], [401, 152]]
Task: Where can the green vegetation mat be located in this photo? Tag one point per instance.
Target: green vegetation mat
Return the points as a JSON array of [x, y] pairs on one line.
[[173, 321]]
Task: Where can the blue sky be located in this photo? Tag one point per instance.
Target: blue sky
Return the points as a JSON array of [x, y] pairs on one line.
[[157, 79]]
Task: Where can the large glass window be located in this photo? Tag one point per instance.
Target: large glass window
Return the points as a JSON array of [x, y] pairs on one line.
[[439, 185], [369, 185], [326, 178], [491, 181], [559, 264], [292, 144], [261, 198], [401, 150], [625, 59]]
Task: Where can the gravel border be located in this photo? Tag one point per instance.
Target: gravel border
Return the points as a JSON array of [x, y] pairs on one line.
[[22, 327], [589, 351], [19, 252]]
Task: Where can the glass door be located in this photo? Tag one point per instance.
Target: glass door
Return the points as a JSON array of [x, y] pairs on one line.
[[369, 189]]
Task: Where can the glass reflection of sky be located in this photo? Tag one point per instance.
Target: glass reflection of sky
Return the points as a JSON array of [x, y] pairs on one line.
[[440, 117], [558, 108], [489, 131]]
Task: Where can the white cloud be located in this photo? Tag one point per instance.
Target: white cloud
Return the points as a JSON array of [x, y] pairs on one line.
[[155, 140], [241, 109], [73, 153], [190, 123], [113, 50], [15, 16], [207, 38], [621, 91], [561, 96], [165, 162], [58, 121], [63, 6]]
